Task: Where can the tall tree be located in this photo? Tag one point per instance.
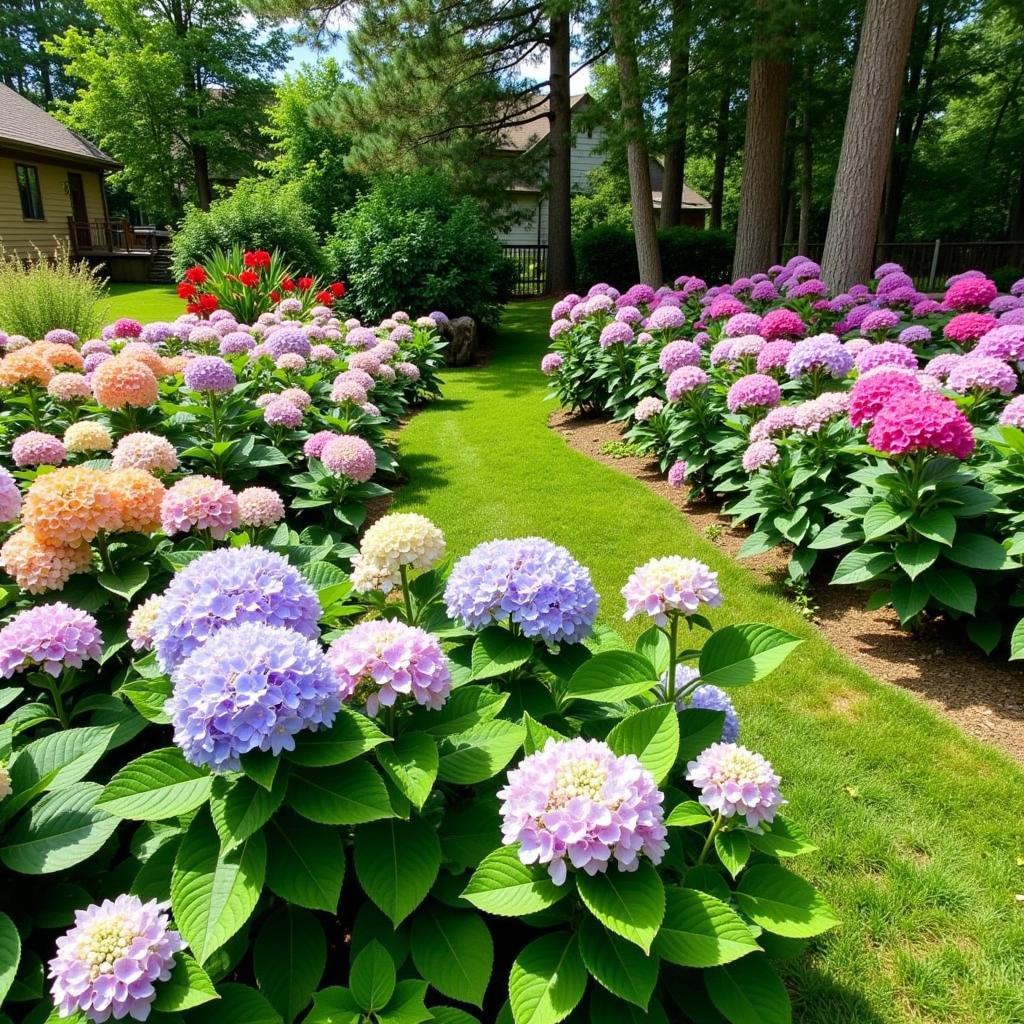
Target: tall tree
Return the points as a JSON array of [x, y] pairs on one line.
[[560, 263], [867, 141], [623, 22], [757, 230], [676, 113], [175, 90]]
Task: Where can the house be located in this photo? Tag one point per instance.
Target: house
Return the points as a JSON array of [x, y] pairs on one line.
[[529, 200], [52, 193]]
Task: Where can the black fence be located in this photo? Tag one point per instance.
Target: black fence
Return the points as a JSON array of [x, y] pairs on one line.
[[930, 263], [531, 269]]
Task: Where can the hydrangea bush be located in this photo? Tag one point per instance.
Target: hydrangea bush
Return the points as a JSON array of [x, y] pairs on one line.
[[876, 433]]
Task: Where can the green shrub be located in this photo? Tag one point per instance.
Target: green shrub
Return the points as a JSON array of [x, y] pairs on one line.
[[411, 243], [49, 291], [257, 214], [1006, 277], [608, 254]]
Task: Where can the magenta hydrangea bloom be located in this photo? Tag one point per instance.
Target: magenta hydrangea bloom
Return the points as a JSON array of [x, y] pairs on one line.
[[349, 456], [107, 965], [967, 327], [970, 293], [36, 448], [530, 582], [665, 586], [551, 362], [878, 321], [1013, 413], [50, 636], [885, 353], [735, 781], [126, 328], [678, 353], [922, 421], [10, 497], [774, 356], [199, 503], [677, 473], [754, 391], [981, 373], [870, 394], [760, 454], [647, 408], [208, 373], [315, 443], [250, 687], [683, 381], [577, 801], [822, 352], [781, 323], [887, 268], [227, 587], [377, 662]]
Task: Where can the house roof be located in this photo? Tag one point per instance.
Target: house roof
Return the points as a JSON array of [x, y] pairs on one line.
[[522, 137], [691, 200], [26, 126]]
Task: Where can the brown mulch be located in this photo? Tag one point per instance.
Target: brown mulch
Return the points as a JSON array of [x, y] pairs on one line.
[[983, 696]]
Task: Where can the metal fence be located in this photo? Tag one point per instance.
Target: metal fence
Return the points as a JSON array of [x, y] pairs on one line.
[[930, 263], [531, 269]]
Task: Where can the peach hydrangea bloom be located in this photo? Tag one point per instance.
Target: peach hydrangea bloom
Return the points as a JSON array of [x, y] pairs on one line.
[[123, 381], [25, 366], [146, 354], [38, 566], [138, 496], [70, 505]]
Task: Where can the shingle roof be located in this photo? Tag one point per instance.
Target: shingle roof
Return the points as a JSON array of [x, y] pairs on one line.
[[22, 123], [521, 137], [691, 200]]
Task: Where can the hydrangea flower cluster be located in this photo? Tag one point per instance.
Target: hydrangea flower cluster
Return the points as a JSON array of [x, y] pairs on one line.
[[677, 354], [647, 408], [51, 636], [735, 781], [981, 373], [576, 803], [754, 391], [377, 662], [683, 381], [402, 539], [713, 698], [760, 454], [869, 395], [200, 503], [535, 585], [107, 965], [820, 352], [142, 450], [670, 585], [885, 353], [348, 455], [922, 421]]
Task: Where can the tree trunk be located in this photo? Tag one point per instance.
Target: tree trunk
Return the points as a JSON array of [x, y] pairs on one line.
[[806, 189], [559, 270], [721, 156], [1015, 228], [637, 156], [757, 230], [676, 115], [867, 142], [201, 166]]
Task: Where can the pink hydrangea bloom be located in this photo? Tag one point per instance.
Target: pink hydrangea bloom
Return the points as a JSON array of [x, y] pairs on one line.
[[260, 506], [679, 353], [774, 356], [349, 456], [886, 353], [1013, 413], [735, 781], [36, 448], [970, 293], [683, 381], [647, 408], [870, 394], [664, 586], [551, 362], [781, 323], [760, 454], [981, 373], [199, 503], [316, 443], [677, 473], [922, 421], [968, 327], [755, 390]]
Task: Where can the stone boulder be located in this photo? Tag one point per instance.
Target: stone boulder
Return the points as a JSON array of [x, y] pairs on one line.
[[463, 340]]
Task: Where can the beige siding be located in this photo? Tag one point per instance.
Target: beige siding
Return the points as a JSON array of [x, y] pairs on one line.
[[525, 231], [585, 158], [20, 235]]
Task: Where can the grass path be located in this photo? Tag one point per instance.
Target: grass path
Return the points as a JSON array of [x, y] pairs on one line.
[[919, 827], [145, 302]]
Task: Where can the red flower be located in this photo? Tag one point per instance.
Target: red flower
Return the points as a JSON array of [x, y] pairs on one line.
[[287, 284], [196, 275], [186, 290], [249, 278], [204, 304], [337, 289], [326, 297], [259, 258], [275, 296], [305, 283]]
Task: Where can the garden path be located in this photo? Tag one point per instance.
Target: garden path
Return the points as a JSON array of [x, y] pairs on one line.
[[917, 824]]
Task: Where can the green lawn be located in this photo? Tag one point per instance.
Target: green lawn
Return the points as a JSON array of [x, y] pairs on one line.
[[919, 827], [143, 302]]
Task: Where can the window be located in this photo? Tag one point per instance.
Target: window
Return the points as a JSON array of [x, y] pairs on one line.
[[28, 189]]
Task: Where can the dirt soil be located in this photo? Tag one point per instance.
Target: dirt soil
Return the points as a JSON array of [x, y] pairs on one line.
[[984, 697]]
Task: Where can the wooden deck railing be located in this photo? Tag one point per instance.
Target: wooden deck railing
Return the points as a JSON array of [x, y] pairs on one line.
[[108, 236]]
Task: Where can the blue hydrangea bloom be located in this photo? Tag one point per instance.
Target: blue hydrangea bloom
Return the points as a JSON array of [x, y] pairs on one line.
[[714, 699], [822, 351], [535, 584], [250, 687], [287, 339], [225, 588]]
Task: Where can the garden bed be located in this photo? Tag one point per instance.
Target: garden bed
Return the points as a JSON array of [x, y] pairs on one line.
[[982, 696]]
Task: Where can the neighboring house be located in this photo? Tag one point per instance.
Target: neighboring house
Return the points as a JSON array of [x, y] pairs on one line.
[[52, 193], [529, 199]]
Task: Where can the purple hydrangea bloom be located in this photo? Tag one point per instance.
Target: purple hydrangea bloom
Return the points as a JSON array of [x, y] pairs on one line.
[[886, 353], [551, 362], [677, 473], [10, 497], [774, 356], [251, 686], [59, 336], [287, 339], [671, 585], [51, 636], [713, 698], [1013, 413], [535, 584], [754, 391], [894, 282], [982, 373], [227, 587], [683, 381], [576, 800], [108, 962], [764, 291], [887, 268], [375, 663], [615, 333], [637, 295], [878, 320], [36, 448], [926, 306], [235, 342], [819, 352], [1003, 342], [915, 334], [760, 454], [208, 373], [733, 780], [806, 289], [679, 353], [1012, 316], [666, 318]]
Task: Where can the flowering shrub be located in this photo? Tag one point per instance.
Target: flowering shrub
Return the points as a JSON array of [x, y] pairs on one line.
[[877, 420]]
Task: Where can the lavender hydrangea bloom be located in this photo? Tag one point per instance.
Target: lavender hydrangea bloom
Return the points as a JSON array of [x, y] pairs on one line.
[[535, 584], [671, 585], [713, 698], [982, 373], [879, 320], [10, 497], [677, 473], [615, 333], [227, 587], [287, 339], [250, 687], [1003, 342], [376, 662], [576, 800], [666, 318], [50, 636], [679, 353], [209, 373], [819, 352], [760, 454], [742, 323], [915, 334], [735, 781], [1013, 413], [885, 353], [774, 356], [754, 391], [107, 963]]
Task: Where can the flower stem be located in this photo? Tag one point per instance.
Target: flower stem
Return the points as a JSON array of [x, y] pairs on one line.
[[673, 634], [715, 829], [410, 616]]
